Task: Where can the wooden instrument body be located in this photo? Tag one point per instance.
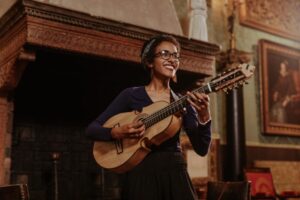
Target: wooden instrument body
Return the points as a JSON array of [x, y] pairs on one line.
[[122, 155]]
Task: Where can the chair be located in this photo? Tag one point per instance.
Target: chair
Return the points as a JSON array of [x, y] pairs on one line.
[[237, 190], [262, 186], [14, 192]]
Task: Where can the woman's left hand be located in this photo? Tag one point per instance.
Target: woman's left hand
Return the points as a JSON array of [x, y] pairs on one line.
[[200, 102]]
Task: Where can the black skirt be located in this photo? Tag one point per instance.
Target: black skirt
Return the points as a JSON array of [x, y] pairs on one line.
[[160, 176]]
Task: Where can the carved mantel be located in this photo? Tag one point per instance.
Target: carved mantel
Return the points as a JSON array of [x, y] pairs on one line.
[[30, 25]]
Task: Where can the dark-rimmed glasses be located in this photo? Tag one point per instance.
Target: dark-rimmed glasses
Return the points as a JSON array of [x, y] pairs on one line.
[[166, 55]]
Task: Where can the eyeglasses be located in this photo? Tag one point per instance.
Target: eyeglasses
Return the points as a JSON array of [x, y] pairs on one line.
[[166, 55]]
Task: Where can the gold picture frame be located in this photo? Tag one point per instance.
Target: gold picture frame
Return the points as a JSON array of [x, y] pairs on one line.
[[273, 16], [279, 89]]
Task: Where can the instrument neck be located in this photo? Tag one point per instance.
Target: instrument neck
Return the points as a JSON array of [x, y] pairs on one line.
[[174, 107]]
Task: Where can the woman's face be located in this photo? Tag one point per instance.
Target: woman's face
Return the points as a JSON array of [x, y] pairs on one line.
[[283, 69], [166, 60]]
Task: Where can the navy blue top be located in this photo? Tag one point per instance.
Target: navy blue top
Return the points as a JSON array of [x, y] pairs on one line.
[[135, 98]]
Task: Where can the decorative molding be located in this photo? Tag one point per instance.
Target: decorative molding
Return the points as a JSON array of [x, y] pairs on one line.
[[273, 145], [11, 72], [37, 25], [55, 35], [12, 56], [273, 16], [197, 64], [75, 18], [5, 76], [12, 42], [51, 34]]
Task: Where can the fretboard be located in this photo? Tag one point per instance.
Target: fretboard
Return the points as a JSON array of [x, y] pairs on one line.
[[173, 107]]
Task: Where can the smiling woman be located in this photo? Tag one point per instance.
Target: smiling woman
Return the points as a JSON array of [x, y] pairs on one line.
[[161, 174], [164, 64]]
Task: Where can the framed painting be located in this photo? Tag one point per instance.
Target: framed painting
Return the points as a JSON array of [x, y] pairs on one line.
[[273, 16], [280, 89]]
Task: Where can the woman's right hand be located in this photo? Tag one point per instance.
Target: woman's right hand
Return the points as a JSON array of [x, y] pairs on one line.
[[131, 130]]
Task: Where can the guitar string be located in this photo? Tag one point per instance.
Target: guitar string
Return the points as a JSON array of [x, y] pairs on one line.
[[168, 110], [165, 112], [179, 104]]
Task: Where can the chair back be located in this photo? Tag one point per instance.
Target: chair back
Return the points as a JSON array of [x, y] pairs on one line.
[[14, 192], [262, 186], [236, 190]]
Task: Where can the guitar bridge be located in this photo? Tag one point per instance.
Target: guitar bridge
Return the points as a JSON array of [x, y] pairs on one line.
[[119, 143], [119, 146]]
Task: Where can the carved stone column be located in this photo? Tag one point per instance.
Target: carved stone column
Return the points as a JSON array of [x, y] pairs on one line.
[[197, 20]]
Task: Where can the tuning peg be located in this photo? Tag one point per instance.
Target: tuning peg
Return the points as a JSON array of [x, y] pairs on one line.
[[225, 90]]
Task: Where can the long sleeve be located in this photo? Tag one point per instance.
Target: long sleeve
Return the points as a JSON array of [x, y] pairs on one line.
[[95, 129], [199, 135]]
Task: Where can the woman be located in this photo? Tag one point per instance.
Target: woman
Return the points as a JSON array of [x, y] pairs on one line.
[[162, 175]]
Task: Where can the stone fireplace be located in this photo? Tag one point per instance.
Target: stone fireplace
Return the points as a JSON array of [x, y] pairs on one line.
[[58, 70]]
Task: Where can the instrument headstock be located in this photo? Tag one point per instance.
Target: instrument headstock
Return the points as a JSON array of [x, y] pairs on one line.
[[232, 78]]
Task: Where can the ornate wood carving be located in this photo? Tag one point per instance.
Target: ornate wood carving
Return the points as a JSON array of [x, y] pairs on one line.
[[13, 57], [11, 71], [200, 64], [66, 37], [36, 25], [273, 16]]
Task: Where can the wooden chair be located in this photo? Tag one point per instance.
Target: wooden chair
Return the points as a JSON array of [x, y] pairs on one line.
[[237, 190], [14, 192], [262, 186]]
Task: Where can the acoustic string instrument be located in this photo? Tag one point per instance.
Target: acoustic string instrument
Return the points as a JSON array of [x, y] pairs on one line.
[[161, 123]]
